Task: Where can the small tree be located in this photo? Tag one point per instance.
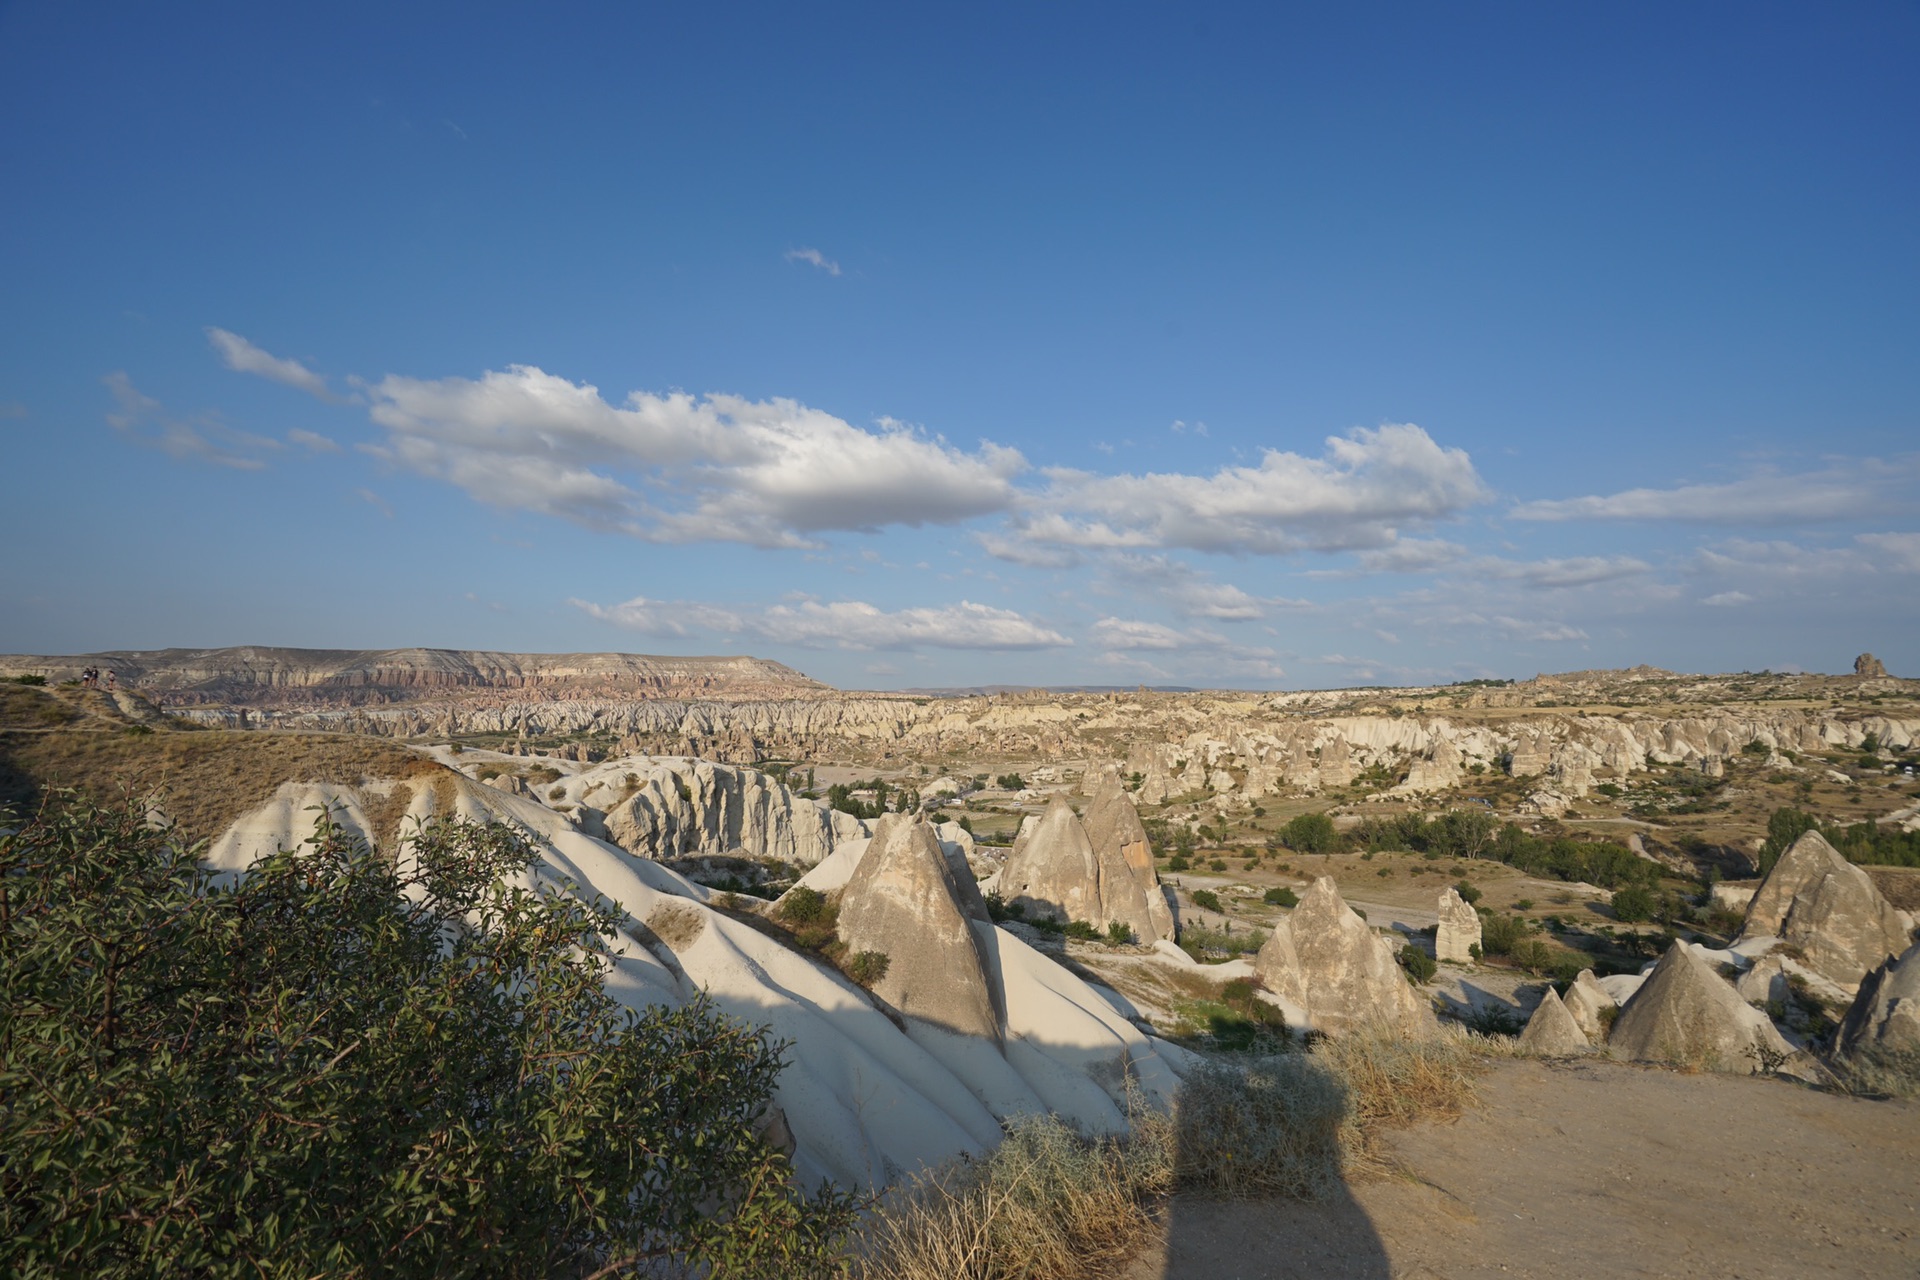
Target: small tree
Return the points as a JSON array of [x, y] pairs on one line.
[[342, 1066], [1311, 833]]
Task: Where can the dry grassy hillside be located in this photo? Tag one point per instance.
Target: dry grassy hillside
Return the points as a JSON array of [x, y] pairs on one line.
[[51, 738]]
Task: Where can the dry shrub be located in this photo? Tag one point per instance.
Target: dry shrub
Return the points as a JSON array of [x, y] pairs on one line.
[[1048, 1204], [1265, 1126], [1392, 1082], [1876, 1071]]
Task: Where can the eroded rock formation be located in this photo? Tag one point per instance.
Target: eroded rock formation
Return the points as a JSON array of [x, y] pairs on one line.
[[1829, 909], [1686, 1013], [1886, 1013], [1458, 932], [1326, 960], [1552, 1030], [904, 902]]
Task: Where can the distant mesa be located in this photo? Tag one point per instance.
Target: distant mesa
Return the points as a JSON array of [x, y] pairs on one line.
[[257, 676]]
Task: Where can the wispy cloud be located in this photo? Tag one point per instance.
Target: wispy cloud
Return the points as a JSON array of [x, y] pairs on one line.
[[243, 357], [142, 420], [1844, 490], [312, 441], [844, 624], [375, 501], [816, 258]]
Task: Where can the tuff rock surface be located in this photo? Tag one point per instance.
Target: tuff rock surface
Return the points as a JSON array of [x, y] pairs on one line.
[[1586, 1002], [1817, 901], [1886, 1013], [1552, 1030], [1459, 928], [1686, 1013], [1326, 960], [905, 902]]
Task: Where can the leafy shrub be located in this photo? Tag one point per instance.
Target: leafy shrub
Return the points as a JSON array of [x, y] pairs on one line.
[[803, 905], [1311, 833], [1178, 863], [1633, 905], [335, 1066], [1010, 782], [1611, 790], [36, 681], [1208, 945], [1420, 966], [1281, 896], [1523, 904], [1207, 898], [1468, 893], [1499, 935], [1083, 930], [1118, 933], [1218, 864], [868, 967]]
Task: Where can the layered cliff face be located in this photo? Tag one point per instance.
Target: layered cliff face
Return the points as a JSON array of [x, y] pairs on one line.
[[271, 677]]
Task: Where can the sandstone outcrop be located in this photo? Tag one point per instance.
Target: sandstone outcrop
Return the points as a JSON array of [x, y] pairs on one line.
[[1327, 961], [1764, 982], [1817, 901], [1552, 1030], [1867, 666], [1587, 1001], [1686, 1013], [1458, 931], [1886, 1013], [904, 902]]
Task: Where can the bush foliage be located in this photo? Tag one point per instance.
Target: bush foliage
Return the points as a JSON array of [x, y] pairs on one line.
[[338, 1066]]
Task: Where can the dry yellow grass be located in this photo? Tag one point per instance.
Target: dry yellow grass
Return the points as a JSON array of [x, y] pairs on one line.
[[207, 777]]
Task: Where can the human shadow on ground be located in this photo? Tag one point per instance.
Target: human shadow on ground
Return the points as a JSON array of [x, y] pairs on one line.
[[1272, 1238]]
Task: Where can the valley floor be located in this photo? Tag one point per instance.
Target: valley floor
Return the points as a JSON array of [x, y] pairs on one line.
[[1595, 1169]]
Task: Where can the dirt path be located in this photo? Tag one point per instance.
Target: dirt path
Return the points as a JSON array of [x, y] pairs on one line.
[[1598, 1169]]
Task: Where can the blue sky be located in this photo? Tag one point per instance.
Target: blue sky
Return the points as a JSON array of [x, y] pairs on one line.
[[1061, 344]]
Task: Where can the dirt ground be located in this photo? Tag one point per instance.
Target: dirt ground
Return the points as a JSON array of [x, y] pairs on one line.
[[1596, 1169]]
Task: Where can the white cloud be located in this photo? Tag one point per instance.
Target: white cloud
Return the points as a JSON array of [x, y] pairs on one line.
[[845, 624], [1190, 592], [1014, 551], [1123, 633], [815, 257], [1727, 599], [243, 357], [1368, 483], [1527, 629], [1570, 571], [142, 420], [722, 468], [1410, 555], [1844, 490], [375, 501], [1778, 559], [1903, 549], [312, 441]]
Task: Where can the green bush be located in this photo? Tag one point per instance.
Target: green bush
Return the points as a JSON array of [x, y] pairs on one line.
[[1311, 833], [36, 681], [1281, 896], [868, 967], [1419, 965], [1633, 905], [1468, 893], [803, 905], [1178, 863], [1082, 930], [1207, 898], [1118, 933], [337, 1066]]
